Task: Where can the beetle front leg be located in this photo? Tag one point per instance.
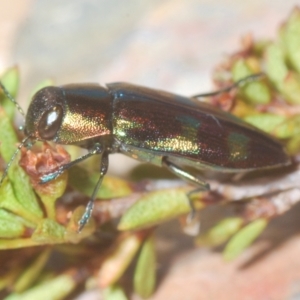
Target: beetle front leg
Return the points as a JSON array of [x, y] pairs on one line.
[[97, 149], [180, 172], [89, 207]]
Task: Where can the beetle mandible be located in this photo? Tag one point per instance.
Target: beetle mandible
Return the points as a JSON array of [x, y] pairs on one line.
[[149, 125]]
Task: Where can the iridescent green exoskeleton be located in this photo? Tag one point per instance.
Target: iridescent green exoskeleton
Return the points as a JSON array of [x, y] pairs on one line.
[[148, 125]]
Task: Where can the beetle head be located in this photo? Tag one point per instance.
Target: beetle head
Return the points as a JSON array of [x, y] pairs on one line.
[[70, 114], [45, 114]]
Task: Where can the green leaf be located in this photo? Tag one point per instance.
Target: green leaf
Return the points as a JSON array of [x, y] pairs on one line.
[[50, 193], [119, 258], [289, 128], [245, 237], [8, 137], [17, 243], [266, 122], [114, 292], [291, 41], [24, 192], [49, 232], [57, 288], [155, 207], [21, 186], [293, 146], [256, 92], [145, 272], [290, 88], [276, 68], [9, 202], [10, 80], [285, 80], [32, 272], [10, 225], [220, 233]]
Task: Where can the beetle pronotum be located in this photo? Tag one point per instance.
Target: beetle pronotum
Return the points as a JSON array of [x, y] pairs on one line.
[[149, 125]]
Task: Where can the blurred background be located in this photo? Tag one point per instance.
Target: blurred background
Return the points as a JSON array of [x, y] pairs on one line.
[[164, 44], [171, 45]]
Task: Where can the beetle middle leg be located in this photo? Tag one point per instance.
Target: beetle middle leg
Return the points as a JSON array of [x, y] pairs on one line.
[[180, 172], [89, 207]]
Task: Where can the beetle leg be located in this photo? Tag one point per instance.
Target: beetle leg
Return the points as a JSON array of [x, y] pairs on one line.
[[237, 84], [203, 186], [97, 149], [178, 171], [89, 207]]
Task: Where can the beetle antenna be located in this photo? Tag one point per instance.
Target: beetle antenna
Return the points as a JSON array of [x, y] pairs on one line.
[[237, 84], [11, 98], [23, 142]]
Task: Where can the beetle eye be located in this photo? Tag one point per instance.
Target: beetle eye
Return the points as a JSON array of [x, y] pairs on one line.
[[50, 123]]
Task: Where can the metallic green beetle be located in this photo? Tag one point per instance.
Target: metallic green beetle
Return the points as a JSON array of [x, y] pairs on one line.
[[149, 125]]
